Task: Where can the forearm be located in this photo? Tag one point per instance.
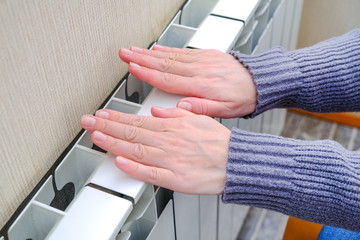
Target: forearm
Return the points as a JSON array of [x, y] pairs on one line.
[[321, 78], [317, 181]]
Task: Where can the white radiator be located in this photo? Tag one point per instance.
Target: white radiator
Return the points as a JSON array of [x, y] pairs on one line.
[[84, 196]]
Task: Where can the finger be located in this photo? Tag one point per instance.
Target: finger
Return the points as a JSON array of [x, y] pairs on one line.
[[176, 56], [124, 132], [153, 175], [186, 51], [168, 82], [169, 112], [194, 54], [138, 152], [127, 55], [207, 107], [146, 122], [169, 65]]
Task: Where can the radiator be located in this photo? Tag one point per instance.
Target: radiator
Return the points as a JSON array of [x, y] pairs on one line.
[[84, 196]]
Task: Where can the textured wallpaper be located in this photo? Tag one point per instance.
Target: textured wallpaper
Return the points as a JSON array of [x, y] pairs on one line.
[[58, 61]]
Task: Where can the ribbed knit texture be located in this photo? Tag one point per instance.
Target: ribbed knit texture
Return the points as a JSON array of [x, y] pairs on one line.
[[318, 181], [321, 78]]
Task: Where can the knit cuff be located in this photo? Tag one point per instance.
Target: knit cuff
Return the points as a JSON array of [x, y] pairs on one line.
[[331, 73], [312, 180], [321, 78], [277, 78], [259, 173]]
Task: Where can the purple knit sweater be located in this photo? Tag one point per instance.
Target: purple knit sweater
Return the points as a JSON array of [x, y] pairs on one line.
[[318, 181]]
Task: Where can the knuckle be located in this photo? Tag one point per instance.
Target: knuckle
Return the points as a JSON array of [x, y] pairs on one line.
[[104, 125], [168, 77], [173, 56], [112, 143], [165, 64], [154, 174], [138, 121], [131, 132], [204, 108], [139, 151]]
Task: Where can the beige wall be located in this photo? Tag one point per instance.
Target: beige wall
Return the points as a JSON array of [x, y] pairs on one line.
[[58, 61], [322, 19]]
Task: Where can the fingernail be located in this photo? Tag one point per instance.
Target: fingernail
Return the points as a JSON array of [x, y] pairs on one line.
[[121, 161], [136, 49], [135, 66], [102, 114], [88, 121], [125, 51], [99, 136], [185, 105]]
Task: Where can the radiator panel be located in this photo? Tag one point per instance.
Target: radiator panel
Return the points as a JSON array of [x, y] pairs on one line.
[[146, 211]]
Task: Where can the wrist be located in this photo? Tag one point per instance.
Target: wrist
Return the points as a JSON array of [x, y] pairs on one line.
[[276, 76]]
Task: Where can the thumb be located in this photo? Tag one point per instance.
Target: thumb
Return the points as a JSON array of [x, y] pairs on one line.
[[203, 106], [169, 112]]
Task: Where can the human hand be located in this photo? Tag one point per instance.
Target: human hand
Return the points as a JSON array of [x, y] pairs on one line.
[[216, 83], [175, 149]]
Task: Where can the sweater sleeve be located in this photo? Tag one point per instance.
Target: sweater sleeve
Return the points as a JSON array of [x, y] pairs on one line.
[[318, 181], [321, 78]]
